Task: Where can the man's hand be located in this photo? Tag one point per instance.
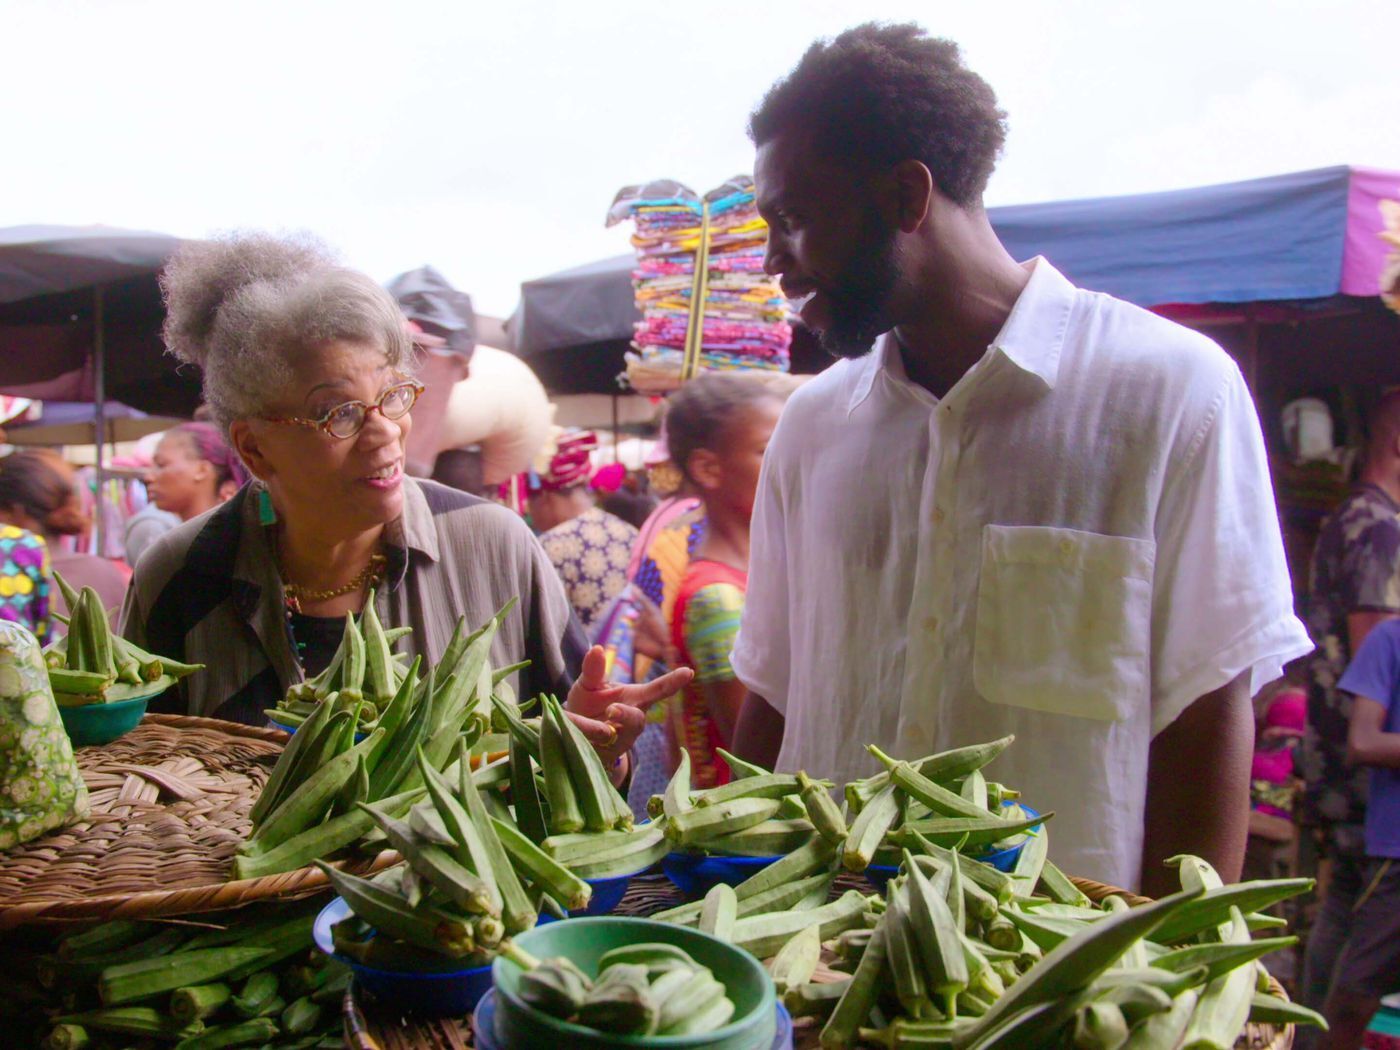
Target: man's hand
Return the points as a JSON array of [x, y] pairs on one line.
[[613, 716], [1198, 787]]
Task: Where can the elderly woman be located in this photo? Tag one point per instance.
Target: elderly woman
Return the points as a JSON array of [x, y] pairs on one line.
[[307, 367]]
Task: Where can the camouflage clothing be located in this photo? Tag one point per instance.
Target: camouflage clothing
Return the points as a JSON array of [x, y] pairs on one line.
[[1356, 568]]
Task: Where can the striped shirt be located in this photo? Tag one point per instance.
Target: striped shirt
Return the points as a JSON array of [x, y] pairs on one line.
[[209, 592]]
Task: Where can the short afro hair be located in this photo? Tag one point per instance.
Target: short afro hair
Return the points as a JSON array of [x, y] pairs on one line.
[[881, 94]]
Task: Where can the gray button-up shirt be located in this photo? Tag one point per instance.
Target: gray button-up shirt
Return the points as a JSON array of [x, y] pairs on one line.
[[209, 592]]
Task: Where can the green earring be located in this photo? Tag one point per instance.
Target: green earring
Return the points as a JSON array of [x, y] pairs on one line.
[[267, 513]]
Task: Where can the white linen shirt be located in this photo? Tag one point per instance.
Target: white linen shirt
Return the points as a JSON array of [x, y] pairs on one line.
[[1074, 544]]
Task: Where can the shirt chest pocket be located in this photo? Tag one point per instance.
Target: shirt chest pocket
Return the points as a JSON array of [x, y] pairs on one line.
[[1064, 621]]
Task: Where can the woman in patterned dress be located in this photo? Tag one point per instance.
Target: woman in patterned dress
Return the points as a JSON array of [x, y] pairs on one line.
[[589, 547], [25, 571]]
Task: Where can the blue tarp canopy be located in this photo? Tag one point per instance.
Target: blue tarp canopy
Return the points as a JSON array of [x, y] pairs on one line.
[[1265, 239], [1279, 238]]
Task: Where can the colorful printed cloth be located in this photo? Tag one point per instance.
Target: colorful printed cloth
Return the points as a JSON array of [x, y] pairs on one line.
[[41, 787], [709, 606], [591, 553], [660, 556], [1273, 770], [1356, 568], [745, 323], [24, 580]]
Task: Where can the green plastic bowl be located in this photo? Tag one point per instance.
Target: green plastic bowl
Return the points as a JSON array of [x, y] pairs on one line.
[[584, 941], [102, 723]]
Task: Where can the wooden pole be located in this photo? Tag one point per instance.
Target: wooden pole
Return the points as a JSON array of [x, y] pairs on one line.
[[615, 428], [99, 385]]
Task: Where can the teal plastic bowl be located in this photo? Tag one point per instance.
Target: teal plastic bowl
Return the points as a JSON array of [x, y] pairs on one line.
[[753, 1026], [102, 723]]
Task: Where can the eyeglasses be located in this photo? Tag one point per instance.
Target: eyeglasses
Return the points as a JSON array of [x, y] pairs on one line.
[[347, 420]]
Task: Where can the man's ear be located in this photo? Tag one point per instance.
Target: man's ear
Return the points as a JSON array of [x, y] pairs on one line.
[[914, 192], [704, 468], [245, 443]]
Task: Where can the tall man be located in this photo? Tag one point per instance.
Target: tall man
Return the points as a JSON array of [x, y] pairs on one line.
[[1029, 509], [1355, 587]]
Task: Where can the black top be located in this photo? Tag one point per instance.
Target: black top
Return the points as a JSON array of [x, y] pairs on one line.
[[317, 638]]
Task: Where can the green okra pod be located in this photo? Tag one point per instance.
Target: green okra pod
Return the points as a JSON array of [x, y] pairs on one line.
[[821, 807], [720, 911], [861, 992]]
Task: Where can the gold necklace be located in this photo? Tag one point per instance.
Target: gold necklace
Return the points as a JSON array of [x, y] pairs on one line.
[[296, 593]]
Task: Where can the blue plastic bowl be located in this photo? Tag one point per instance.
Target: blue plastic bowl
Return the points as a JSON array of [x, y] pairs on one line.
[[292, 729], [484, 1025], [1002, 859], [695, 874], [607, 894], [447, 994]]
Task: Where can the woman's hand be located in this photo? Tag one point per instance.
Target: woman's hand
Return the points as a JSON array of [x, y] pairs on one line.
[[613, 716]]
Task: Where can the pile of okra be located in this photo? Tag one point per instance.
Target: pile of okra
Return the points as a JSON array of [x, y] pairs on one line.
[[246, 978]]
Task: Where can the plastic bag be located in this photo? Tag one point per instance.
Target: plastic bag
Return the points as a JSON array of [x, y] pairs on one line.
[[41, 787]]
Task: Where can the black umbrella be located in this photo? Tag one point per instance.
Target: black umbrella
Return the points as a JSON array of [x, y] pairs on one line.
[[70, 297]]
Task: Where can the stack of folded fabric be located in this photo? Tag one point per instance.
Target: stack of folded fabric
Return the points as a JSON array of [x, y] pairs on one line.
[[745, 320]]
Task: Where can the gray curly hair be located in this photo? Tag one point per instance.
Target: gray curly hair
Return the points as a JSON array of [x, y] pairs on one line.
[[245, 307]]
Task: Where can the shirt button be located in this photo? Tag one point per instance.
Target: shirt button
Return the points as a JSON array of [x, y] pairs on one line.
[[931, 624], [1066, 547], [938, 515]]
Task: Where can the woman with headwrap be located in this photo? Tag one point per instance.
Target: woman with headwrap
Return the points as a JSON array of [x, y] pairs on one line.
[[193, 470], [589, 547]]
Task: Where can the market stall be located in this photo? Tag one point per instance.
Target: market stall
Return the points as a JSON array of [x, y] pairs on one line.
[[80, 320], [430, 844], [468, 840], [80, 317]]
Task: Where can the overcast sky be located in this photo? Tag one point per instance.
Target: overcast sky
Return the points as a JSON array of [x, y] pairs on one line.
[[489, 139]]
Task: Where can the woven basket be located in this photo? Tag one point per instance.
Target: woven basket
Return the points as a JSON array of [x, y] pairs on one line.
[[1256, 1036], [170, 803], [372, 1026]]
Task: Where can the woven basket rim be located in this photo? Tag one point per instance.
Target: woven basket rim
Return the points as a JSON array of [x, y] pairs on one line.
[[185, 900], [1261, 1036]]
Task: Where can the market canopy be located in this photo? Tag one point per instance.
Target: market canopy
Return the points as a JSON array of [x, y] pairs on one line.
[[75, 423], [55, 282], [41, 260], [592, 303], [1305, 235]]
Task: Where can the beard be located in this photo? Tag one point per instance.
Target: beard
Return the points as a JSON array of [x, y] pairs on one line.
[[859, 299]]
